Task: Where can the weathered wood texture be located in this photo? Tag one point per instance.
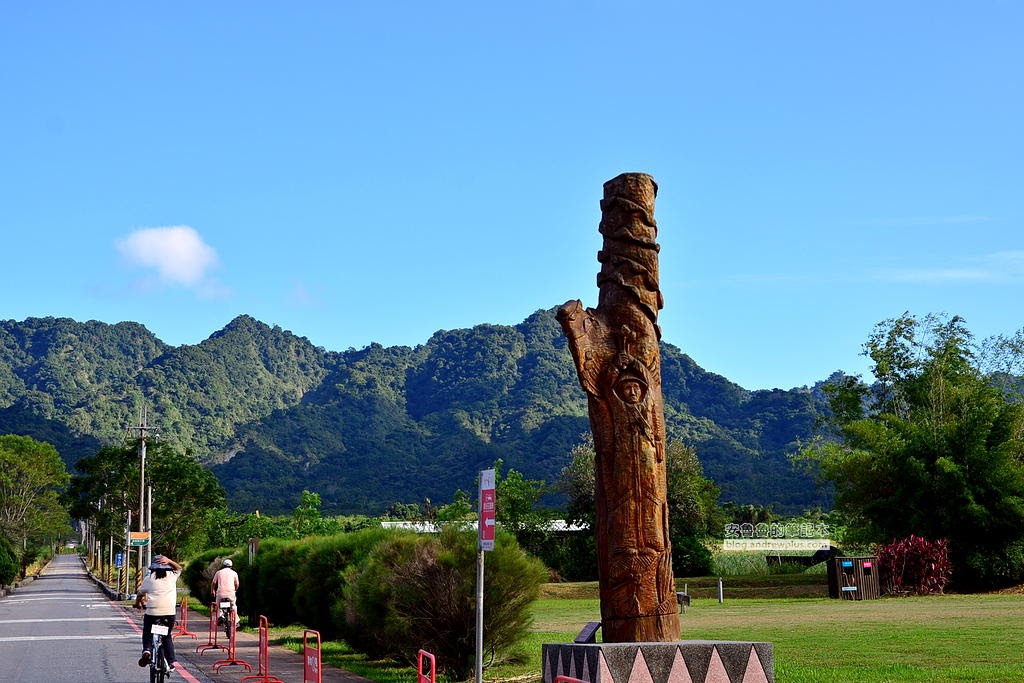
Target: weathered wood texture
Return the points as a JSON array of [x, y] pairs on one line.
[[615, 349]]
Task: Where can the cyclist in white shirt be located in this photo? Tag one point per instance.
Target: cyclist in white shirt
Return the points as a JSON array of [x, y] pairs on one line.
[[159, 595], [225, 586]]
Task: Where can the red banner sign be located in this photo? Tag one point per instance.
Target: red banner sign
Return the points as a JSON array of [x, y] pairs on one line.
[[487, 509]]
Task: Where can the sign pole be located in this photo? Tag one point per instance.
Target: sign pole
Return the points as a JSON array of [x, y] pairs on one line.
[[479, 616], [128, 554], [485, 542], [149, 524]]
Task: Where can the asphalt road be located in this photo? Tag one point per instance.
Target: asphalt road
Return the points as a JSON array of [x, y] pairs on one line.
[[61, 628]]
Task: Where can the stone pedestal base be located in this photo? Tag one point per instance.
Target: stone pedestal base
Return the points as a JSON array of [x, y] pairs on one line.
[[687, 661]]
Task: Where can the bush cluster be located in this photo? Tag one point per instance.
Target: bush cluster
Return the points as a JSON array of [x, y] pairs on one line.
[[418, 591], [388, 593], [914, 565], [199, 572], [9, 565]]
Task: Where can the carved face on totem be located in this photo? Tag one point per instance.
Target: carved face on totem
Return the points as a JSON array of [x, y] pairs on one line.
[[630, 389]]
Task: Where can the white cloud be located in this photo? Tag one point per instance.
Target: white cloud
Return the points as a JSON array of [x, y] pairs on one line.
[[919, 221], [177, 254], [998, 267], [301, 296]]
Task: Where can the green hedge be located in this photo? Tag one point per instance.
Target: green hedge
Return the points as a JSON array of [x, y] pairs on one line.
[[9, 565], [419, 591], [320, 578], [270, 581], [387, 592], [199, 572]]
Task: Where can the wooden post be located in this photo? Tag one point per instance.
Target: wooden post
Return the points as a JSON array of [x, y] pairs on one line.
[[618, 362]]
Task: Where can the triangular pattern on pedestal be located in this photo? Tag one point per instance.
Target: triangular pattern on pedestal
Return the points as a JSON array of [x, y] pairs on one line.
[[716, 669], [698, 659], [604, 674], [658, 663], [551, 662], [735, 657], [678, 673], [620, 658], [564, 662], [755, 670], [592, 654], [580, 658], [691, 661], [640, 673]]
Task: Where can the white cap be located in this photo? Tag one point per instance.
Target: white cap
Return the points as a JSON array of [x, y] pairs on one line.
[[227, 563]]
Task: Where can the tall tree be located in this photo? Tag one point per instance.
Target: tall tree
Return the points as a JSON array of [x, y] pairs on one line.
[[307, 520], [184, 494], [32, 477], [933, 447], [517, 500]]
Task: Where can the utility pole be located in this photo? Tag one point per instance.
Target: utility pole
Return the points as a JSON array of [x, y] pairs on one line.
[[145, 523]]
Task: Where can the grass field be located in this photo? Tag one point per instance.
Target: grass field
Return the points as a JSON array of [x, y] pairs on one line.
[[953, 638], [946, 638]]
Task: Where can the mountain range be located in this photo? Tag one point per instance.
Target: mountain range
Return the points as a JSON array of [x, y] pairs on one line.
[[271, 414]]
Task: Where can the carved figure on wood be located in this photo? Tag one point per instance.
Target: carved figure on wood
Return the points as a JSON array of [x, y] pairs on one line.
[[615, 350]]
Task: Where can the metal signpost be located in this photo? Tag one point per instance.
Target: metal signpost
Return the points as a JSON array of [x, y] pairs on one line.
[[485, 542]]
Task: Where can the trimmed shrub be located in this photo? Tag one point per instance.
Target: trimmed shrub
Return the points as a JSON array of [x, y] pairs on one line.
[[270, 581], [914, 565], [320, 578], [199, 572], [9, 565], [993, 568], [420, 592]]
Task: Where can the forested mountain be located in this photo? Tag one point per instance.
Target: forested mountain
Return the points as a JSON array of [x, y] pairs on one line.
[[271, 414]]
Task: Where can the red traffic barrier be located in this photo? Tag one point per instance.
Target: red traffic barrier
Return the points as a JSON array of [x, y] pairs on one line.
[[181, 629], [424, 657], [211, 641], [311, 667], [231, 660], [263, 662], [567, 679]]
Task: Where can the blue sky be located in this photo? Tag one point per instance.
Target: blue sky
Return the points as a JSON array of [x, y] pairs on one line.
[[361, 172]]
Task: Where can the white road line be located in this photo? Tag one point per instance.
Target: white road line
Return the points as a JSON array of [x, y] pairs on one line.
[[40, 621], [13, 601], [21, 639]]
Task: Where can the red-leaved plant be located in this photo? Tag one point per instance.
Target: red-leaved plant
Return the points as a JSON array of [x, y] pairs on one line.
[[914, 566]]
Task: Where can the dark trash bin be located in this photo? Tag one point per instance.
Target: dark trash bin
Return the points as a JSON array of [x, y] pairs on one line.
[[853, 578]]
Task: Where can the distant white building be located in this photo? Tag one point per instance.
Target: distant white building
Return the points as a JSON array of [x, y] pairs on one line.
[[431, 527]]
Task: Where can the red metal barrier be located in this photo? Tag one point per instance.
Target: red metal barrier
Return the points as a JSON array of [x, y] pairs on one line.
[[211, 643], [263, 662], [231, 660], [567, 679], [421, 657], [311, 668], [181, 629]]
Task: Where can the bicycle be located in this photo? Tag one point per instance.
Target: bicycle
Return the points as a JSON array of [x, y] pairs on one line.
[[226, 618], [159, 669]]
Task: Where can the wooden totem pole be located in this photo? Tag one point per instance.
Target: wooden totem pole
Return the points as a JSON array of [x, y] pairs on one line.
[[615, 349]]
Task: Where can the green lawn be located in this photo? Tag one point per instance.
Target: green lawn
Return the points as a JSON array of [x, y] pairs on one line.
[[937, 639]]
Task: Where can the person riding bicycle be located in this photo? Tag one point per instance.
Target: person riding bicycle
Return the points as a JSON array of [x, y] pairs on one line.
[[225, 586], [159, 595]]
